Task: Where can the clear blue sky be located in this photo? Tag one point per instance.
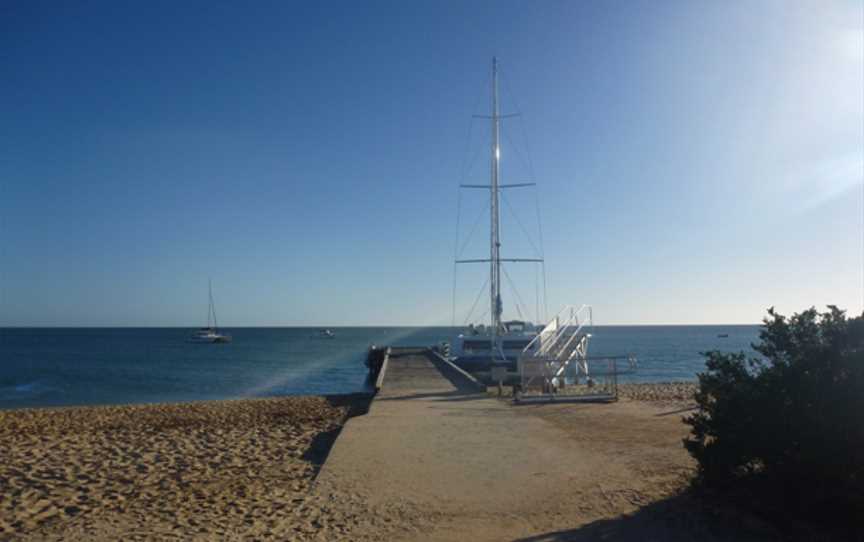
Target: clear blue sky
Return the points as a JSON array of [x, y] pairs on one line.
[[698, 161]]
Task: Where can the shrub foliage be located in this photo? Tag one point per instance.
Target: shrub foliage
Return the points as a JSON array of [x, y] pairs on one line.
[[792, 419]]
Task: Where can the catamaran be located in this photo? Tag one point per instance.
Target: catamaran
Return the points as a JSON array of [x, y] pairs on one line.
[[210, 334], [548, 359], [500, 342]]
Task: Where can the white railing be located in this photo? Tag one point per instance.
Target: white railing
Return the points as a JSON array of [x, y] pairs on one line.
[[560, 332], [559, 352], [555, 364]]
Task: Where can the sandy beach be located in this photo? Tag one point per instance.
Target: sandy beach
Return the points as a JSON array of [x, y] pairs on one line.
[[247, 469], [222, 469], [678, 394]]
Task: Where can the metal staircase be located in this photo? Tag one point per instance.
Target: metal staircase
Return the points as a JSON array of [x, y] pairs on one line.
[[555, 365], [559, 353]]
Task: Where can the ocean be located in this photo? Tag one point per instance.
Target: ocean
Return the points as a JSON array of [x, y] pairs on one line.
[[45, 367]]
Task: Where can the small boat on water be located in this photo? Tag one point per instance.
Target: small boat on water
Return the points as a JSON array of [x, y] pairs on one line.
[[723, 336], [209, 334], [326, 334]]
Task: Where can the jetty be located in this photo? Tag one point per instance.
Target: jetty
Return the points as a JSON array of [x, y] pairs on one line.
[[435, 442]]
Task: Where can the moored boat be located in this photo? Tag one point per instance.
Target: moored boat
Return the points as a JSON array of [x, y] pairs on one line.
[[500, 342], [325, 334], [209, 334]]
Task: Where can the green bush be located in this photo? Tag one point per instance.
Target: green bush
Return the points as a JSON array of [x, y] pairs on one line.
[[792, 422]]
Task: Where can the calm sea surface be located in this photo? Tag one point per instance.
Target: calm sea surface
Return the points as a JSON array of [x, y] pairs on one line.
[[55, 367]]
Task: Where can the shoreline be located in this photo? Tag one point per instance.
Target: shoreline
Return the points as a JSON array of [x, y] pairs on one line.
[[190, 402], [678, 393], [665, 391]]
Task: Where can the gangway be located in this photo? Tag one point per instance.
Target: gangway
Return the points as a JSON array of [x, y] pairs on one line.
[[556, 365]]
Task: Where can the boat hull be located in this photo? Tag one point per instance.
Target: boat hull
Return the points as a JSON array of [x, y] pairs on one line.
[[474, 352], [210, 339]]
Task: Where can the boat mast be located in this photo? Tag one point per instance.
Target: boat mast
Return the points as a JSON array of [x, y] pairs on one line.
[[212, 306], [495, 243]]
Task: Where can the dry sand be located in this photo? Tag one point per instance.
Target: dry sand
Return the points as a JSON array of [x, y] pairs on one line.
[[246, 469], [675, 394], [222, 469]]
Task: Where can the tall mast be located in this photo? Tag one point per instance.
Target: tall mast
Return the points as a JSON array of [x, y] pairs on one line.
[[212, 306], [495, 243]]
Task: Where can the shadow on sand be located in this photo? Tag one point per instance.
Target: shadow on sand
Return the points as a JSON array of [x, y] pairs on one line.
[[679, 518], [357, 404]]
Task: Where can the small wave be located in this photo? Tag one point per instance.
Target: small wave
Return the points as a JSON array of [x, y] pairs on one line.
[[23, 390]]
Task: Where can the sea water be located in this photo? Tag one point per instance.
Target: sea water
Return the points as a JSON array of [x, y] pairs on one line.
[[88, 366]]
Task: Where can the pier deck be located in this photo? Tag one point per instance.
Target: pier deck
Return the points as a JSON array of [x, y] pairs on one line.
[[459, 464], [432, 440], [411, 370]]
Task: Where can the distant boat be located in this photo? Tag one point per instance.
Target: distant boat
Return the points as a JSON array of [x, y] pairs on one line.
[[326, 334], [723, 336], [210, 334]]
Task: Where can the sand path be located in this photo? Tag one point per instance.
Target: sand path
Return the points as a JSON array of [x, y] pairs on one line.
[[476, 468]]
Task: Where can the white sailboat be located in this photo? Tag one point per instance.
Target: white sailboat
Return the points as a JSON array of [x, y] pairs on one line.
[[210, 334], [499, 342]]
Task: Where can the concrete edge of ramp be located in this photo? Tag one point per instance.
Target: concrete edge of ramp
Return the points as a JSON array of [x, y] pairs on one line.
[[455, 370], [379, 382]]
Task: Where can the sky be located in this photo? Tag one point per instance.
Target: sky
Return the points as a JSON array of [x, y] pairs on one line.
[[696, 162]]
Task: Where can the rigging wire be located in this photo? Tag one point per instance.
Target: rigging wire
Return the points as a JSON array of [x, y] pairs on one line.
[[521, 123], [466, 168], [474, 157], [519, 153], [456, 253], [476, 299], [524, 229], [512, 97], [519, 300], [483, 315], [545, 304], [471, 125], [481, 215], [536, 294]]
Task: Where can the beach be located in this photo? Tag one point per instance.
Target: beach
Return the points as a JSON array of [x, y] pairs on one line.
[[220, 469], [247, 469], [660, 393]]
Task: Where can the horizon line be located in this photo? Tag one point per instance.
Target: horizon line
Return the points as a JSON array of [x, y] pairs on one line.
[[338, 326]]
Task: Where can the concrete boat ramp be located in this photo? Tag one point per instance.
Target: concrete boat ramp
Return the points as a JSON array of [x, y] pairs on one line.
[[470, 466]]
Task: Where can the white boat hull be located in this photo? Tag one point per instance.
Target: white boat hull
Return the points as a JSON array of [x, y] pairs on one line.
[[210, 338]]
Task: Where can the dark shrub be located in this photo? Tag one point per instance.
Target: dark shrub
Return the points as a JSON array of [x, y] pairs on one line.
[[791, 424]]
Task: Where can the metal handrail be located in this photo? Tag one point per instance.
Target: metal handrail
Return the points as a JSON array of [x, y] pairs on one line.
[[560, 330], [574, 316]]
